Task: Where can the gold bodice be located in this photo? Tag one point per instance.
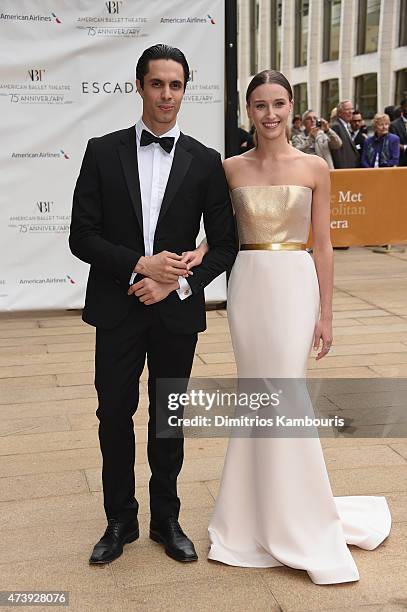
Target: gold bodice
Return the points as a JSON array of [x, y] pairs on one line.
[[272, 213]]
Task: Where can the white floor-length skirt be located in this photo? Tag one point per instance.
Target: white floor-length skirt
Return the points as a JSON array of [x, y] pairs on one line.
[[275, 504]]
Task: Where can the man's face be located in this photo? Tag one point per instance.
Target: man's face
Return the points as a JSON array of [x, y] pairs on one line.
[[356, 122], [162, 93], [404, 110], [310, 121], [346, 111]]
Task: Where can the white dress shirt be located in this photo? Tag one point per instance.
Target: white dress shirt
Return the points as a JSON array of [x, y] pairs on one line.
[[154, 167]]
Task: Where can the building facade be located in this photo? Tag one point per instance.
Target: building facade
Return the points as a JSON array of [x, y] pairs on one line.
[[329, 50]]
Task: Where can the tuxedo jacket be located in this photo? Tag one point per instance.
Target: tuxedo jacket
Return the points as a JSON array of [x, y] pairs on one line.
[[347, 156], [398, 127], [107, 228]]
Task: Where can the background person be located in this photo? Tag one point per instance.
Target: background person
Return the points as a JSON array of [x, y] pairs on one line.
[[317, 138], [399, 127], [245, 140], [347, 156], [382, 150], [296, 127], [359, 130]]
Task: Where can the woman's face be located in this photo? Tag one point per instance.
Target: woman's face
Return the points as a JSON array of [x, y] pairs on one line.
[[382, 127], [269, 109]]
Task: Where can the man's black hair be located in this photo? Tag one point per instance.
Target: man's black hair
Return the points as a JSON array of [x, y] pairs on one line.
[[158, 52]]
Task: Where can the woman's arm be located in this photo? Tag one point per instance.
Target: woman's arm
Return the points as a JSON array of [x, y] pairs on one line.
[[194, 258], [394, 150], [322, 252]]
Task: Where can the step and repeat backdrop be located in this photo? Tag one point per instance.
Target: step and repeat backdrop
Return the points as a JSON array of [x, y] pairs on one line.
[[66, 75]]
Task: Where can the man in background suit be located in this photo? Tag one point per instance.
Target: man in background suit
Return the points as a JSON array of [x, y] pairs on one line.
[[399, 127], [358, 131], [347, 156], [137, 207]]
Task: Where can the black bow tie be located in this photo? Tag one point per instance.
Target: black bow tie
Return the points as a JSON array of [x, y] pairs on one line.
[[167, 142]]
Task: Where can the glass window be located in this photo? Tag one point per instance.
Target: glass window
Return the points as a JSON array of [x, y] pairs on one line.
[[276, 11], [368, 26], [403, 23], [301, 31], [300, 98], [401, 86], [329, 97], [366, 94], [254, 36], [332, 25]]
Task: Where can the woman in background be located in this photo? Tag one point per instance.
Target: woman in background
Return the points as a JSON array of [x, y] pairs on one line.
[[382, 150]]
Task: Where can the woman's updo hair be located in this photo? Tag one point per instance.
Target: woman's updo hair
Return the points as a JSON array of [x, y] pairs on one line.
[[268, 77]]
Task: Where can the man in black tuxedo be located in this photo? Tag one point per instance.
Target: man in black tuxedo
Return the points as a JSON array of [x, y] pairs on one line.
[[399, 127], [347, 156], [137, 207], [358, 131]]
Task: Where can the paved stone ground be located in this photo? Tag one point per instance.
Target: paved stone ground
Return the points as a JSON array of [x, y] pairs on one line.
[[50, 486]]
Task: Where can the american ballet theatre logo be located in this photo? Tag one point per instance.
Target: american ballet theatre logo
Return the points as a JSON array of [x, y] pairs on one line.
[[38, 86], [44, 207], [31, 17], [36, 74], [42, 220], [113, 8], [201, 92], [114, 23], [61, 154]]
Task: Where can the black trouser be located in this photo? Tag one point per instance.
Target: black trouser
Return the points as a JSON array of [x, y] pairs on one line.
[[120, 358]]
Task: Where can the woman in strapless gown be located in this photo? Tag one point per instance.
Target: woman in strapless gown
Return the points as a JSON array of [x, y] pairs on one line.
[[275, 504]]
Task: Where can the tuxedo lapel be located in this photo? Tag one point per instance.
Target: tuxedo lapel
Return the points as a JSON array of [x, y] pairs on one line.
[[180, 165], [128, 157]]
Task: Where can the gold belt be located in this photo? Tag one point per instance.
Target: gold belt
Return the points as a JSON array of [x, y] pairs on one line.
[[273, 246]]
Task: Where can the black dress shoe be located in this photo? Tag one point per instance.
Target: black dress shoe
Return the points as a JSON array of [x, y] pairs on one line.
[[110, 546], [177, 545]]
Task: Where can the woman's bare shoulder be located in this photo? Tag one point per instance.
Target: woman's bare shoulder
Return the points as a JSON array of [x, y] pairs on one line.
[[235, 165], [237, 160], [312, 167]]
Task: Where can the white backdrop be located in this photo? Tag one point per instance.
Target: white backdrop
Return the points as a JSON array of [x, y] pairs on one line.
[[66, 75]]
